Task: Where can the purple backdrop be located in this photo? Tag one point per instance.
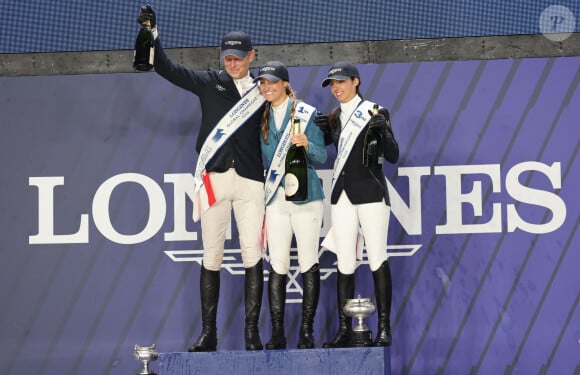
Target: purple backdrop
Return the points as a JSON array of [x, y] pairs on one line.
[[99, 252]]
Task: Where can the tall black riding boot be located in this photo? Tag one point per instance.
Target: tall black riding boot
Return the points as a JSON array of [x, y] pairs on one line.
[[311, 287], [383, 295], [277, 296], [209, 285], [345, 290], [254, 287]]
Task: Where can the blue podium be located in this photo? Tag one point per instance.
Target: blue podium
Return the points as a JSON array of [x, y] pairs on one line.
[[311, 361]]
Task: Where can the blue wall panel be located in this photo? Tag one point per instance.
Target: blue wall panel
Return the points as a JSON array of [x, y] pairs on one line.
[[70, 25]]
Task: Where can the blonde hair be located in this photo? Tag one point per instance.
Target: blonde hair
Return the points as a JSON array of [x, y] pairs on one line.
[[266, 115]]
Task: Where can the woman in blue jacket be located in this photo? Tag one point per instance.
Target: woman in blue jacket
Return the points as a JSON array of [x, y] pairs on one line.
[[284, 218]]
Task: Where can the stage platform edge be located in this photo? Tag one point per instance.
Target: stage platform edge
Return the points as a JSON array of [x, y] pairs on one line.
[[292, 361]]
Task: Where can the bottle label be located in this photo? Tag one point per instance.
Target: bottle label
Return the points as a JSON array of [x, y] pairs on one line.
[[151, 54], [291, 184]]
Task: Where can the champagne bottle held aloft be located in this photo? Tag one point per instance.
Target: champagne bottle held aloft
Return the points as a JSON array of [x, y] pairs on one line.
[[296, 176], [372, 157], [144, 48]]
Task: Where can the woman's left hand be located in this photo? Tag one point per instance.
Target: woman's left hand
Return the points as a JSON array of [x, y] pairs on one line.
[[300, 140]]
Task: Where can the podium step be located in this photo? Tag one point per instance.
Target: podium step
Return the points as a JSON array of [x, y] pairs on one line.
[[279, 362]]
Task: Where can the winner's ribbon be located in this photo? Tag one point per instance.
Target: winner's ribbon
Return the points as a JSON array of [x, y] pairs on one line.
[[351, 130], [208, 188]]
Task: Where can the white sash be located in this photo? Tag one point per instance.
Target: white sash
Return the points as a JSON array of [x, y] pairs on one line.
[[277, 167], [232, 121], [350, 131]]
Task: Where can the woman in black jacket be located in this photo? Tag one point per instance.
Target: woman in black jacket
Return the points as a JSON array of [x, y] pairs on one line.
[[359, 198]]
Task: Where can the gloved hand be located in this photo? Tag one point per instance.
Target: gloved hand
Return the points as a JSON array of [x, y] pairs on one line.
[[382, 119], [322, 121], [147, 14], [378, 121]]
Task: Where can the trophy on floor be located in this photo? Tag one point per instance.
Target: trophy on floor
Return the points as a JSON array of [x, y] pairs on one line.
[[145, 354], [360, 308]]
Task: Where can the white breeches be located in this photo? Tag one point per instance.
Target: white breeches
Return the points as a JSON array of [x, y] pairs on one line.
[[284, 219], [373, 219], [246, 197]]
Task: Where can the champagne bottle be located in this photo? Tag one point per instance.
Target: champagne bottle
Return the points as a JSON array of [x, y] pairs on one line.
[[296, 177], [372, 157], [144, 48]]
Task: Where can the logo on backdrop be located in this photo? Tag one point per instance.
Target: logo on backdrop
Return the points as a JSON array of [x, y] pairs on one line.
[[232, 262], [462, 193]]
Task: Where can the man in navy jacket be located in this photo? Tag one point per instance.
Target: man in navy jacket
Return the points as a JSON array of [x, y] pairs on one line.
[[233, 178]]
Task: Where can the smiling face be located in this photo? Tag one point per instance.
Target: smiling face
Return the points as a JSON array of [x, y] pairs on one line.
[[344, 90], [274, 92], [238, 68]]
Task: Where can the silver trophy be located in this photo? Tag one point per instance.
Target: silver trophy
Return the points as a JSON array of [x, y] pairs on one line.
[[145, 354], [360, 308]]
